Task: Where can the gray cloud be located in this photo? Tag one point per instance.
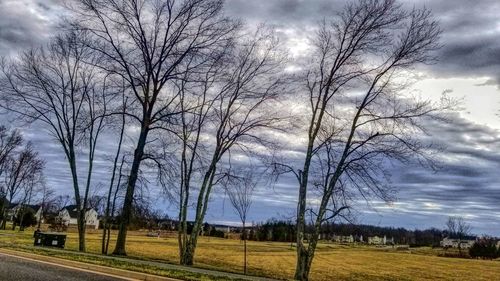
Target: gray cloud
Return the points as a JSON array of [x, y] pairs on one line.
[[466, 184], [24, 23], [470, 38]]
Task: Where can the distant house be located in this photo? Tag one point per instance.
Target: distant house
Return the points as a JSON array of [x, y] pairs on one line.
[[465, 243], [224, 228], [14, 209], [376, 240], [343, 238], [69, 214]]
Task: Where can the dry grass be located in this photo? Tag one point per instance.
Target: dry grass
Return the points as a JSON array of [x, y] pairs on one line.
[[277, 260]]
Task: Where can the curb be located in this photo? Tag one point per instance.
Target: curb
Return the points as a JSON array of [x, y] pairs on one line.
[[130, 275]]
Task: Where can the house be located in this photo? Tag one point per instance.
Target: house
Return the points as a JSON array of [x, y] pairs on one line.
[[223, 228], [343, 239], [465, 243], [14, 209], [375, 240], [68, 216]]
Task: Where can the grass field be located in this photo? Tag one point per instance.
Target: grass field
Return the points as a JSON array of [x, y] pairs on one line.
[[277, 260]]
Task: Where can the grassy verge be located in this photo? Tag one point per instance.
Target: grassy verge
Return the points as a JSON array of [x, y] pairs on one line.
[[110, 262]]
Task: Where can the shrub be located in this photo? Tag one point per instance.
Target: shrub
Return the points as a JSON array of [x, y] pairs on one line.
[[28, 218], [484, 248], [217, 233]]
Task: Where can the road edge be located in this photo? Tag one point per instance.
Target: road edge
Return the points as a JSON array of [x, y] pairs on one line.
[[87, 267]]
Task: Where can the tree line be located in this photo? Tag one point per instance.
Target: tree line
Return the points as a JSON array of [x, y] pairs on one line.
[[197, 100], [284, 231]]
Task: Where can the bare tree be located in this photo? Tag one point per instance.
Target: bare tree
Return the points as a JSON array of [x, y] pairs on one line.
[[240, 190], [22, 172], [358, 118], [30, 190], [58, 85], [113, 187], [98, 203], [458, 228], [47, 199], [231, 105], [9, 141], [120, 186], [60, 202], [144, 42]]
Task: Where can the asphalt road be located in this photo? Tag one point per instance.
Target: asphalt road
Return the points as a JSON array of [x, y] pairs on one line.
[[13, 268]]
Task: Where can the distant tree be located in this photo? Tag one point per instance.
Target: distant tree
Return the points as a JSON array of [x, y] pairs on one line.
[[274, 230], [22, 173], [97, 202], [459, 229], [58, 203], [10, 140], [47, 195], [240, 190]]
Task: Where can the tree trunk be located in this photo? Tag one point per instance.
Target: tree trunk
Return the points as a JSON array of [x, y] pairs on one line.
[[182, 232], [245, 250], [4, 219], [41, 214], [303, 266], [81, 229], [129, 195], [13, 217], [201, 208], [21, 219], [105, 230], [104, 235], [108, 238], [81, 214], [187, 257]]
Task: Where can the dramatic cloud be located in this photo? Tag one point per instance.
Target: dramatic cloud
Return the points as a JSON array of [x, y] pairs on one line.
[[471, 38], [25, 23], [466, 183]]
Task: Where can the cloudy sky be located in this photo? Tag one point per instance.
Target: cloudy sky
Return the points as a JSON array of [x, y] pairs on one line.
[[468, 184]]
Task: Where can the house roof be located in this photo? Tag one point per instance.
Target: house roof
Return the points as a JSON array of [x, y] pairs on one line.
[[72, 210], [33, 207], [463, 238]]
